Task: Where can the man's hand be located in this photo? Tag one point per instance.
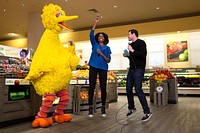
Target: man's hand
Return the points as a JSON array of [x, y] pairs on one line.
[[130, 48], [124, 55]]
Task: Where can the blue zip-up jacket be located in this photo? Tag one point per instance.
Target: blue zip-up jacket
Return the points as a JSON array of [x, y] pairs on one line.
[[96, 60]]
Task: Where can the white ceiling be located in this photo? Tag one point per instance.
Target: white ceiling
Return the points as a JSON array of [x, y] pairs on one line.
[[14, 13]]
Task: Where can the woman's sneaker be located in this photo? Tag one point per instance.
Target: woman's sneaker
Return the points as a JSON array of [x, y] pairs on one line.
[[130, 112], [90, 112], [91, 115], [146, 117], [103, 111]]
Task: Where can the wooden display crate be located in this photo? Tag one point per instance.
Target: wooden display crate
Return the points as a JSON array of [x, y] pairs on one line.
[[172, 90]]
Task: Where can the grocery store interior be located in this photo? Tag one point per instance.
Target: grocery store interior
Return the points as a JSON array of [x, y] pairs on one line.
[[171, 31]]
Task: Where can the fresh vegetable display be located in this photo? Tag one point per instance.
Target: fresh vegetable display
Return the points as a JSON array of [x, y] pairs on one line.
[[84, 74], [121, 80]]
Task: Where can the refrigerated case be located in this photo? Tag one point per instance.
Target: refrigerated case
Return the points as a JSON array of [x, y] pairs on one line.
[[188, 80], [18, 99], [18, 102], [188, 83], [121, 81]]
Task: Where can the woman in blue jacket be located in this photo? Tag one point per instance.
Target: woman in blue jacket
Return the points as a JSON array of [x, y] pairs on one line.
[[99, 59]]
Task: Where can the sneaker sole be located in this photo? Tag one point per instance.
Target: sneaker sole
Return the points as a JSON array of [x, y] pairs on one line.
[[103, 115], [91, 116], [148, 118]]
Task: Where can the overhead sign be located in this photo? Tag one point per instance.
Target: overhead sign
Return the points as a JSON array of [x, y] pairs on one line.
[[14, 52]]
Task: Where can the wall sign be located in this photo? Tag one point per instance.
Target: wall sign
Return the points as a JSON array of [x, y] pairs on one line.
[[177, 51]]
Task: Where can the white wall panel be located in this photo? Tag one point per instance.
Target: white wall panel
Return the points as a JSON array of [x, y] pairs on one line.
[[156, 50]]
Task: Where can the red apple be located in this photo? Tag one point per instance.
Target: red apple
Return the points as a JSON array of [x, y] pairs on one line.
[[16, 82]]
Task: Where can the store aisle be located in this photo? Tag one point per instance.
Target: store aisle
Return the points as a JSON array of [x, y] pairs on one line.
[[173, 118]]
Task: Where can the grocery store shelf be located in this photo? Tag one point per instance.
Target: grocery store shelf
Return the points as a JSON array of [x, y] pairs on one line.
[[188, 90], [121, 90], [188, 80]]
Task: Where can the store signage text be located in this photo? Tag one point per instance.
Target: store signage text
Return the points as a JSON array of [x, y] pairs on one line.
[[12, 81]]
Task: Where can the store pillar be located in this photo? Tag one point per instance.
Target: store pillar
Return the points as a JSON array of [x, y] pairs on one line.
[[35, 30]]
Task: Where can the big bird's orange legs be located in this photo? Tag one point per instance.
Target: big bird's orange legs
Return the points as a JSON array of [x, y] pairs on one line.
[[59, 115], [41, 120]]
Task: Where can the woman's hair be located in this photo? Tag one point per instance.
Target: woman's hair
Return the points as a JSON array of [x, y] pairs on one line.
[[106, 40]]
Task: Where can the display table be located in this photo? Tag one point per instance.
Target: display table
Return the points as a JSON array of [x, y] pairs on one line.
[[172, 90], [80, 97]]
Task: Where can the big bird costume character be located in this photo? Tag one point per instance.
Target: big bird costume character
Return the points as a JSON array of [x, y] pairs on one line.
[[51, 67]]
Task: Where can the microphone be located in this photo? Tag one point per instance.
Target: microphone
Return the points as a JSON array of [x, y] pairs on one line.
[[126, 52]]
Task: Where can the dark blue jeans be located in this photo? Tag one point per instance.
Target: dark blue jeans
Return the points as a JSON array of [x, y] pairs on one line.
[[134, 78]]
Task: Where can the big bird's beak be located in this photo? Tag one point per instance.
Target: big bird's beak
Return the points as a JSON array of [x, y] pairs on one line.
[[71, 17], [66, 18]]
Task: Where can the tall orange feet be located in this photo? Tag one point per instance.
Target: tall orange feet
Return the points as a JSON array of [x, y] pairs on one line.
[[40, 119], [59, 115]]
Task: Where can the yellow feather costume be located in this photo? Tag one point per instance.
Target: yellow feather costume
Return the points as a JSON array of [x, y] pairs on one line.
[[52, 63], [51, 67]]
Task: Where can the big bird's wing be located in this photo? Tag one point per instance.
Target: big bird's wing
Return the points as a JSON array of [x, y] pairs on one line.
[[74, 60], [42, 60], [34, 74]]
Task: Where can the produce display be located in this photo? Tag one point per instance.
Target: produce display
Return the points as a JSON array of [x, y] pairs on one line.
[[14, 67], [19, 67], [83, 67], [84, 94], [84, 74], [188, 80], [111, 75], [80, 74], [121, 80], [161, 75], [122, 83]]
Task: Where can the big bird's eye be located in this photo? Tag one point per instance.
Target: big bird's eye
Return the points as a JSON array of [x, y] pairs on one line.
[[58, 14]]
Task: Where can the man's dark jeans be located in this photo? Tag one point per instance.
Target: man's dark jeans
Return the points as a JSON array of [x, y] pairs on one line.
[[134, 79]]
